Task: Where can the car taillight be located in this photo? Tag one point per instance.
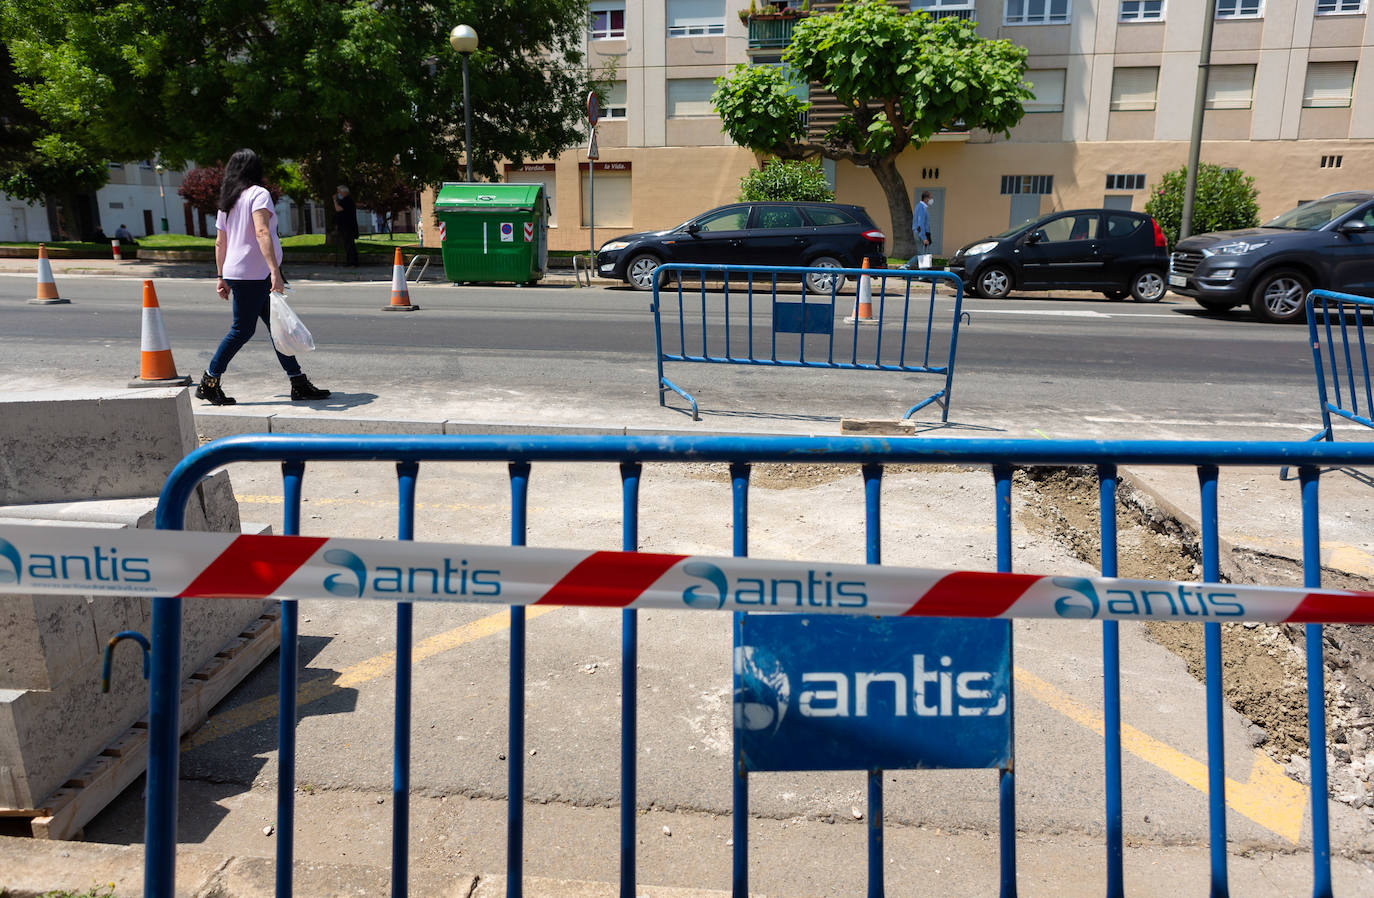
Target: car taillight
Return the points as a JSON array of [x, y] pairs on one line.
[[1159, 235], [874, 236]]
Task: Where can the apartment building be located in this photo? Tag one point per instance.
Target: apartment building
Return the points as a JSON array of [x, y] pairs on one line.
[[1290, 101]]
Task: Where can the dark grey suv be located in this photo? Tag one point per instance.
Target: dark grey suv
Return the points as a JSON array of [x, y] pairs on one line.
[[1327, 244]]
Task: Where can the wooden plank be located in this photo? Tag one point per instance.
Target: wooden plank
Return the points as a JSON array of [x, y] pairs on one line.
[[98, 782]]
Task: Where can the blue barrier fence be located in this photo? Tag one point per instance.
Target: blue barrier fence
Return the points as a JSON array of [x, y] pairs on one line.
[[747, 321], [1336, 329], [520, 454]]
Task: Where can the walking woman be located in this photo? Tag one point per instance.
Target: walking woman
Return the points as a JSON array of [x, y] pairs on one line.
[[248, 258]]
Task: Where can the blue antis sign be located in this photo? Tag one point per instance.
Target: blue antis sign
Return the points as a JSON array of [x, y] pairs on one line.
[[820, 692]]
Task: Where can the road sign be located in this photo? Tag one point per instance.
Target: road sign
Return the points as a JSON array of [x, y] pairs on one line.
[[818, 692], [593, 109], [592, 152], [507, 232], [529, 232]]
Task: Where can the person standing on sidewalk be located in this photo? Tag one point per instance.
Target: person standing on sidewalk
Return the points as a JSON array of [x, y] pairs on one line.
[[348, 225], [248, 258], [920, 224]]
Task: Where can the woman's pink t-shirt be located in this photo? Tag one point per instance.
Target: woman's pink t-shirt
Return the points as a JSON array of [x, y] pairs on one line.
[[243, 259]]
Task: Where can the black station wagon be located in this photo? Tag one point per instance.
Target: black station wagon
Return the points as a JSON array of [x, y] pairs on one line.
[[813, 235], [1113, 251]]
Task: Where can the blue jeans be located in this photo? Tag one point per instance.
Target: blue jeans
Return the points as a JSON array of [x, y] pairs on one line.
[[251, 302]]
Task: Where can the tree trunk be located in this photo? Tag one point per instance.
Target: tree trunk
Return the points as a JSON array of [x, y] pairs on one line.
[[898, 206]]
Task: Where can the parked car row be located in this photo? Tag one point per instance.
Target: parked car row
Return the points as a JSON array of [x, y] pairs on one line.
[[1327, 243]]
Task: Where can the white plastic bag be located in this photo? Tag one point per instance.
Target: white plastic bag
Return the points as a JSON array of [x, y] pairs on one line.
[[925, 261], [288, 333]]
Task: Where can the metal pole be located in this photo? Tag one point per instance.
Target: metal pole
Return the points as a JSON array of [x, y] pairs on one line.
[[1204, 64], [467, 115], [591, 206]]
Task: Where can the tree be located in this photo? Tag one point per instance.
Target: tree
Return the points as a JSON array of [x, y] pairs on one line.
[[201, 187], [1225, 199], [900, 77], [333, 85], [39, 167], [786, 180]]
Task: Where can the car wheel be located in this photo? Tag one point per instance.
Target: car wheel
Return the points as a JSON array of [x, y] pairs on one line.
[[1115, 295], [1279, 296], [1148, 286], [994, 282], [640, 271], [1215, 305], [825, 283]]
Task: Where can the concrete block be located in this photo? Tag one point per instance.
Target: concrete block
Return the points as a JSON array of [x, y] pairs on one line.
[[58, 446], [44, 639]]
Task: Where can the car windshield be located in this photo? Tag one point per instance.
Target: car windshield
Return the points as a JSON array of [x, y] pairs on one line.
[[1315, 215]]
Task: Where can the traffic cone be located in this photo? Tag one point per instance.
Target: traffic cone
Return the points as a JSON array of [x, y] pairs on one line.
[[400, 296], [114, 248], [156, 368], [47, 288], [863, 302]]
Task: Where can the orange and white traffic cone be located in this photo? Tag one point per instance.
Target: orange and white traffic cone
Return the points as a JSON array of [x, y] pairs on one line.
[[156, 368], [47, 288], [400, 296], [863, 302], [114, 249]]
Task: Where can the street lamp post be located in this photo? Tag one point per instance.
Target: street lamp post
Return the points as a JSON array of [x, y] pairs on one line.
[[463, 38], [160, 168]]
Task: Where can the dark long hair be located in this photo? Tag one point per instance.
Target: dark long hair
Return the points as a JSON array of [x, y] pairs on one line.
[[243, 170]]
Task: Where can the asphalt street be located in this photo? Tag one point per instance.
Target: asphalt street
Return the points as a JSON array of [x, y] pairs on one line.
[[1065, 366]]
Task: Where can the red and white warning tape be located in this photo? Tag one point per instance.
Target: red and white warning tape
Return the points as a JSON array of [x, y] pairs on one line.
[[41, 560]]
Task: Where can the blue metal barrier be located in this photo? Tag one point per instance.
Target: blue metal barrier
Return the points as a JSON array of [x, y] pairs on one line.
[[522, 453], [1336, 331], [925, 344]]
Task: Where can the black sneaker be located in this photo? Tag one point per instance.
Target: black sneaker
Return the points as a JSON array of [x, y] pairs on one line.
[[303, 389], [209, 390]]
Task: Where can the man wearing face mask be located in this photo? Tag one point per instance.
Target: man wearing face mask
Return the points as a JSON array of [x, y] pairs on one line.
[[920, 224]]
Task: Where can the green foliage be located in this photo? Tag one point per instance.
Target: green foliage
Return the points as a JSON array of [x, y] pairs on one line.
[[34, 163], [1225, 200], [335, 85], [902, 77], [786, 180], [101, 891], [758, 109]]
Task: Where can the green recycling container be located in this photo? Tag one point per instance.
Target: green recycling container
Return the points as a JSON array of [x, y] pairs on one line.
[[493, 232]]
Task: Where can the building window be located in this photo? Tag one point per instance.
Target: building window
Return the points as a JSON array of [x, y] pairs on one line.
[[945, 9], [114, 205], [1240, 9], [608, 20], [1036, 12], [1230, 86], [689, 18], [1125, 182], [1134, 88], [1340, 7], [116, 166], [1048, 87], [614, 207], [690, 97], [614, 106], [1036, 184], [1327, 162], [1329, 84], [1142, 10]]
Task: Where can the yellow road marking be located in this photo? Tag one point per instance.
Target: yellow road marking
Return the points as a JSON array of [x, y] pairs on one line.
[[265, 708], [1269, 798]]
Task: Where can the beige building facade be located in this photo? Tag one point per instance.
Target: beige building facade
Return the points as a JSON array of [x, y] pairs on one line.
[[1290, 102]]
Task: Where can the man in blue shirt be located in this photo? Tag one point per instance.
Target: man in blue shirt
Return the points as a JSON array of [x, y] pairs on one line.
[[920, 223]]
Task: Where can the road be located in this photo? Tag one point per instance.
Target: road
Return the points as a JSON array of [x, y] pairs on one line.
[[1064, 366]]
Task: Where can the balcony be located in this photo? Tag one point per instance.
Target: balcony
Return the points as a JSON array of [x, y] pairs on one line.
[[771, 32]]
